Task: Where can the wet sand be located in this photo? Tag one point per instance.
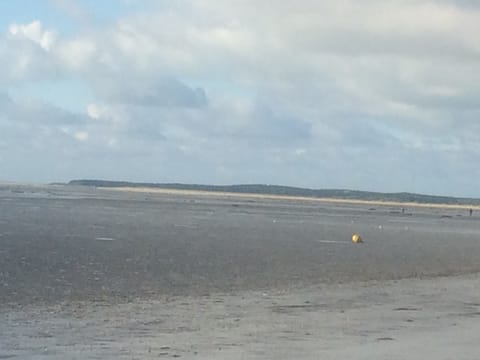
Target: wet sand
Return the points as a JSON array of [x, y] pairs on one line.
[[111, 274], [405, 319]]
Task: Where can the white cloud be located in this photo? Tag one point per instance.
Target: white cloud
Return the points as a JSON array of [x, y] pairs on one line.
[[81, 135], [34, 32], [94, 111], [77, 54]]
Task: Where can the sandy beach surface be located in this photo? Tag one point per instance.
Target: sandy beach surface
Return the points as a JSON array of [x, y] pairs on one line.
[[99, 274]]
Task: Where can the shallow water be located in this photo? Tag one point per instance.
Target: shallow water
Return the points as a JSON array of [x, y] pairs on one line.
[[71, 243]]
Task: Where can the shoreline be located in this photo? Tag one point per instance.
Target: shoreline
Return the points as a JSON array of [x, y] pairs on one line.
[[252, 196], [287, 197]]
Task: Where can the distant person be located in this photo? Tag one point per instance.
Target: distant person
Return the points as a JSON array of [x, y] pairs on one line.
[[471, 211]]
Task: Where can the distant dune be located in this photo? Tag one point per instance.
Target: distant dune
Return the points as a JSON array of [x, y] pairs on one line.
[[289, 191]]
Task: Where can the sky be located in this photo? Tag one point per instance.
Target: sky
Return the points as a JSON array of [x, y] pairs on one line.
[[380, 95]]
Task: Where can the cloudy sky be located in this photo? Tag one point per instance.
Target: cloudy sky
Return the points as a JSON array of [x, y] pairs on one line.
[[362, 94]]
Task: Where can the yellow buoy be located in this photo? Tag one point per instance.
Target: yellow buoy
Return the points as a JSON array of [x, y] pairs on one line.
[[356, 238]]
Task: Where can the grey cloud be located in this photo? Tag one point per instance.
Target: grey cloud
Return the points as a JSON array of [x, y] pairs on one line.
[[259, 125], [469, 4], [357, 42], [365, 132], [265, 126], [144, 123], [164, 92], [31, 112], [5, 102], [30, 127], [443, 103]]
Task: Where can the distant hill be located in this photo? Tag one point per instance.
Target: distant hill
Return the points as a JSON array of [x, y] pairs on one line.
[[291, 191]]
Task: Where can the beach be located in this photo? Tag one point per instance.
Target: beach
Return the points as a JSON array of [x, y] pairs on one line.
[[101, 273]]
